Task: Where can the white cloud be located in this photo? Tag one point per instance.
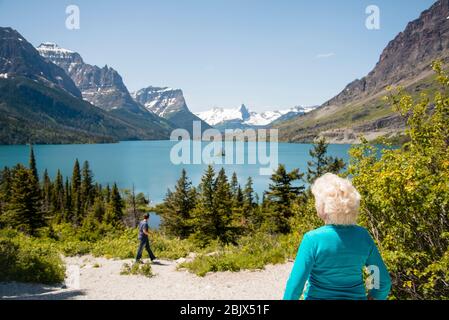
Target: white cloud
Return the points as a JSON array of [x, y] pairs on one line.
[[325, 55]]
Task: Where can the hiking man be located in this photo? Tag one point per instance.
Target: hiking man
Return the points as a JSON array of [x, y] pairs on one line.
[[143, 239]]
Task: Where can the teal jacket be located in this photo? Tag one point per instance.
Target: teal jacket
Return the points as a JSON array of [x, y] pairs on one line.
[[331, 260]]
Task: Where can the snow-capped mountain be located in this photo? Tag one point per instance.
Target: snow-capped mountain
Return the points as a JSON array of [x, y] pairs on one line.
[[161, 101], [169, 104], [19, 58], [104, 88], [222, 118]]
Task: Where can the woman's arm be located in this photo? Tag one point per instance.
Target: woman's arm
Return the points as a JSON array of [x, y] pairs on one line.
[[301, 270], [384, 282]]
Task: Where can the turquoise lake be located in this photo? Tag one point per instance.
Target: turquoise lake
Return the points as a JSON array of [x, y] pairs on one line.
[[147, 164]]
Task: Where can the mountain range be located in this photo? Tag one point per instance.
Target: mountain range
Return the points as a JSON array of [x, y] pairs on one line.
[[40, 103], [358, 109], [50, 95], [242, 118]]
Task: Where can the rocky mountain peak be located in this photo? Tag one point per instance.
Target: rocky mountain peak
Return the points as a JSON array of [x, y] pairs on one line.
[[103, 87], [245, 113], [161, 100], [19, 58], [407, 56]]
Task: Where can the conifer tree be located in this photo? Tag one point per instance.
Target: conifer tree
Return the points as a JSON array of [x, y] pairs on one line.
[[248, 193], [205, 212], [176, 211], [23, 211], [239, 197], [251, 215], [234, 185], [46, 192], [87, 188], [281, 195], [98, 209], [76, 194], [223, 205], [68, 213], [114, 212], [57, 204], [108, 193], [32, 164], [321, 163], [5, 188]]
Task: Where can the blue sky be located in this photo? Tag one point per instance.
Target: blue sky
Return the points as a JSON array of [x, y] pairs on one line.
[[267, 54]]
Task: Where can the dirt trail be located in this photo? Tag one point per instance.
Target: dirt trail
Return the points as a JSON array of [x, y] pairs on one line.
[[100, 279]]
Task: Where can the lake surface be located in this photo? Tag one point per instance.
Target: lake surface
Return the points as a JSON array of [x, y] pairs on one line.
[[147, 164]]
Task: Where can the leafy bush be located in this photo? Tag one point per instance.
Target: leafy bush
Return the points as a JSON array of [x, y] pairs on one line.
[[71, 248], [29, 260], [405, 196], [137, 269], [121, 247], [252, 253]]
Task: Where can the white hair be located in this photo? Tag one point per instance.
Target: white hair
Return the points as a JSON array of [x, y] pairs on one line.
[[337, 201]]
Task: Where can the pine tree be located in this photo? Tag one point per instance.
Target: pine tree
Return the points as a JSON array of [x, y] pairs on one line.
[[321, 163], [176, 211], [223, 203], [205, 212], [23, 211], [68, 212], [114, 212], [251, 216], [5, 189], [32, 164], [87, 188], [98, 209], [47, 193], [108, 193], [281, 195], [76, 194], [239, 197], [248, 193], [234, 185], [57, 202]]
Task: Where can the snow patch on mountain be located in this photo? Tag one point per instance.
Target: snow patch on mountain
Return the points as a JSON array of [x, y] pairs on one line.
[[50, 47]]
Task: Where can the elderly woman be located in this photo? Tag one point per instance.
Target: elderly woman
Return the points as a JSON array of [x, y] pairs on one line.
[[331, 258]]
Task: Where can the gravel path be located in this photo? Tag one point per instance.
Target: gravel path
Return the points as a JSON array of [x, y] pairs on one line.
[[100, 279]]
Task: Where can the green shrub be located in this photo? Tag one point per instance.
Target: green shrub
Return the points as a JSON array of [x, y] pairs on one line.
[[137, 269], [252, 253], [71, 248], [29, 260], [405, 196]]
